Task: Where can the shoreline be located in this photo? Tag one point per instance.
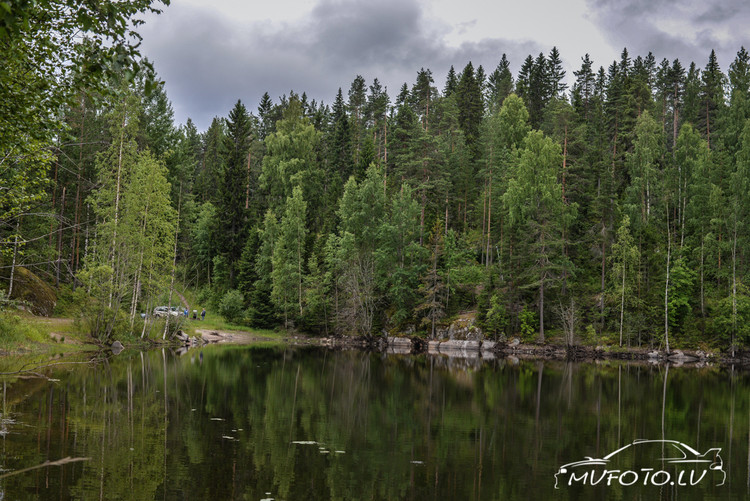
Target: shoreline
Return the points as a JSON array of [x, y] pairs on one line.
[[489, 349]]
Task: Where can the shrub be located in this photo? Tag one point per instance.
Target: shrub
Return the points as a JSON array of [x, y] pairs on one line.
[[496, 320], [529, 324], [232, 306]]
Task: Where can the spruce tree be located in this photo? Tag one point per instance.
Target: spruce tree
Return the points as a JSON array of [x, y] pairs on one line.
[[535, 205], [500, 85], [470, 110], [234, 178]]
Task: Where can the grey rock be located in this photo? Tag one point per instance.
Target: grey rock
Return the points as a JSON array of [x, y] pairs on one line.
[[117, 347], [488, 346]]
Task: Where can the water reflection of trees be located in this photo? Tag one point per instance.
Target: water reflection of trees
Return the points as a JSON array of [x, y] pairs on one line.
[[222, 425]]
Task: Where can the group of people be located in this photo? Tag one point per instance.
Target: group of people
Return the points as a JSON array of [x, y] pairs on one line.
[[195, 314]]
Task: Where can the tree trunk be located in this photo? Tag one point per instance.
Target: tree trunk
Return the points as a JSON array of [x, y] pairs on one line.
[[622, 297], [59, 239], [138, 272], [489, 221], [565, 160], [734, 285], [174, 263], [247, 188], [666, 290], [15, 258], [117, 208]]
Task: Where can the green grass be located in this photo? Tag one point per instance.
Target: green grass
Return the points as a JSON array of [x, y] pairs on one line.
[[217, 323], [22, 332]]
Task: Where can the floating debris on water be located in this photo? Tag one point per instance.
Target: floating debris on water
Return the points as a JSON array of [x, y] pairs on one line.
[[227, 437], [305, 442], [217, 419], [416, 462], [340, 452]]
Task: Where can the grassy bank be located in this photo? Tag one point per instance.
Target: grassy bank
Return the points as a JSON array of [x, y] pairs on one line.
[[21, 332]]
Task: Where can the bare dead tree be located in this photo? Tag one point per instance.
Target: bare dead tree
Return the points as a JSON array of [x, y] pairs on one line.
[[568, 315]]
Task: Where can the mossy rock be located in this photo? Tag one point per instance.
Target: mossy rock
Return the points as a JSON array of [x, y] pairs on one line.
[[31, 289]]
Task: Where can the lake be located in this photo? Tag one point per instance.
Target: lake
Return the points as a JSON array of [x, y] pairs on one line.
[[283, 423]]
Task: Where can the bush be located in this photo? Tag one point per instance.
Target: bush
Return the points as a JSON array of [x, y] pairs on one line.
[[232, 306], [205, 296], [496, 320], [529, 324]]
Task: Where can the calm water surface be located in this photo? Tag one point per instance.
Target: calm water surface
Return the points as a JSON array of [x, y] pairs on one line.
[[253, 423]]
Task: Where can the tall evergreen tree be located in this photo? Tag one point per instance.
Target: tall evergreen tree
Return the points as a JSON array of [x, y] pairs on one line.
[[231, 202], [534, 203], [470, 109], [500, 84], [711, 96], [451, 82]]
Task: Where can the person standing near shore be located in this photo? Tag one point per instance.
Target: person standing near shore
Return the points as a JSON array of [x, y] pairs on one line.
[[203, 314]]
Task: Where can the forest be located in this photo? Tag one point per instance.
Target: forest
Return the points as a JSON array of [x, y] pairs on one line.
[[608, 206]]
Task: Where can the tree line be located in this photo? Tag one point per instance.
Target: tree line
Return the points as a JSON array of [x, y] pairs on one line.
[[615, 207]]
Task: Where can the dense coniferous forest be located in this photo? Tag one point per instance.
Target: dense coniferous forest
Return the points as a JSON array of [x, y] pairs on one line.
[[610, 204]]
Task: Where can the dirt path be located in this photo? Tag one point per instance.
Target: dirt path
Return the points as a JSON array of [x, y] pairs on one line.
[[59, 329], [182, 298]]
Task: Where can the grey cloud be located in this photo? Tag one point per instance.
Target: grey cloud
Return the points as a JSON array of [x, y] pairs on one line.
[[209, 61], [726, 11], [634, 25]]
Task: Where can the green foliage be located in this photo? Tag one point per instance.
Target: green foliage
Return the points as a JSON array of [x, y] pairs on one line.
[[50, 52], [497, 320], [232, 306], [681, 280], [289, 258], [322, 217], [16, 331], [528, 324]]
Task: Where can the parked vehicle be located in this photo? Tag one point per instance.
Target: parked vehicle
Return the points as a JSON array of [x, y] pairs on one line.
[[163, 311]]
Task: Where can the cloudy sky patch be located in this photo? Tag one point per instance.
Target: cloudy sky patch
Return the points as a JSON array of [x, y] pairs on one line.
[[212, 53]]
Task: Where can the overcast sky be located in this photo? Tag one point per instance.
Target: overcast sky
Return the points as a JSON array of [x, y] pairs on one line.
[[211, 53]]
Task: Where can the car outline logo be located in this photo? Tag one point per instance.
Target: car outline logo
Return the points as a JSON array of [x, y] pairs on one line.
[[690, 456]]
